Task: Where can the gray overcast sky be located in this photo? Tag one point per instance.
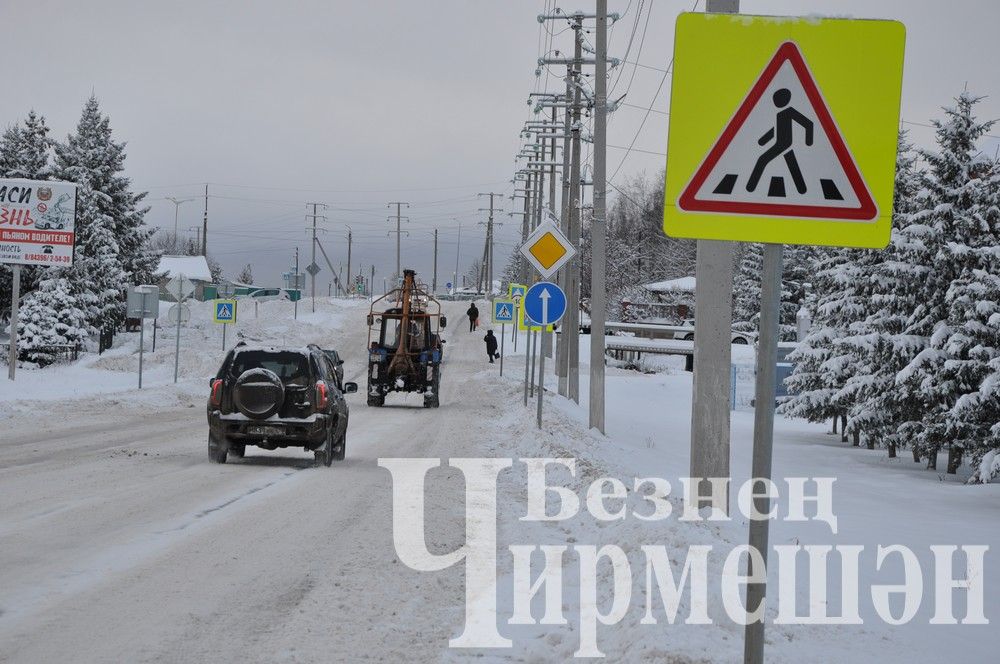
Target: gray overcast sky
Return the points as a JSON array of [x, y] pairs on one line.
[[356, 104]]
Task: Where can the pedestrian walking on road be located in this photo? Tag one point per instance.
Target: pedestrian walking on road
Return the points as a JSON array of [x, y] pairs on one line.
[[491, 346], [473, 314]]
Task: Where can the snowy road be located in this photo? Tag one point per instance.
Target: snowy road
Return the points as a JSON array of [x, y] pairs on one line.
[[122, 543]]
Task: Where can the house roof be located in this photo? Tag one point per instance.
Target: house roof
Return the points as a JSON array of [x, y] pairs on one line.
[[194, 268], [685, 284]]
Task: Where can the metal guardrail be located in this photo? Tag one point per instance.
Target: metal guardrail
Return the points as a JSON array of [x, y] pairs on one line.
[[624, 348]]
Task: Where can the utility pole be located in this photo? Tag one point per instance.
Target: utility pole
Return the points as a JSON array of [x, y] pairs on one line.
[[434, 279], [598, 240], [562, 351], [710, 448], [296, 277], [197, 235], [399, 232], [204, 224], [489, 245], [571, 330], [525, 227], [350, 233], [312, 265], [371, 284], [458, 252]]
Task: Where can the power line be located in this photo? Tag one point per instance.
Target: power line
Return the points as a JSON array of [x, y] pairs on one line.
[[663, 79]]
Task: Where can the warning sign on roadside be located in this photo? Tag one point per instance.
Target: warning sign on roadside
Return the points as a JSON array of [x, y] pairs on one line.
[[783, 135], [503, 311], [224, 311]]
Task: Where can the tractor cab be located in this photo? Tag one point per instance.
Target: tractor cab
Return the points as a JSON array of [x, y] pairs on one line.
[[404, 343]]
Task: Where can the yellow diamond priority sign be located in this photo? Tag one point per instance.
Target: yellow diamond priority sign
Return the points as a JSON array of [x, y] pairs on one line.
[[547, 249]]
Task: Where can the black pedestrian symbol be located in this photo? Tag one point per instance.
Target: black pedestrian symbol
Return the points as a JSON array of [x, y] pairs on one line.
[[783, 136]]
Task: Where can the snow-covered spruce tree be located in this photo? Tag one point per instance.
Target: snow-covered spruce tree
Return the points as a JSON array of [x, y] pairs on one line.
[[112, 235], [882, 344], [965, 345], [974, 353], [49, 316], [948, 213], [798, 270], [746, 287], [820, 370], [25, 152]]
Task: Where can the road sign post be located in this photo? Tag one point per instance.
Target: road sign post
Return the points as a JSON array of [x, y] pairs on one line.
[[15, 303], [503, 313], [224, 312], [143, 302], [180, 286], [544, 303], [779, 135]]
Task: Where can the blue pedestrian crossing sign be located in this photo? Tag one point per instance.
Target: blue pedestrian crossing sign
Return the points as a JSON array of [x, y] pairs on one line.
[[544, 303], [517, 291], [503, 311], [224, 311]]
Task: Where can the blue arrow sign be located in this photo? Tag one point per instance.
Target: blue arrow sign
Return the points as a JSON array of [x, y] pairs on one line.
[[545, 303]]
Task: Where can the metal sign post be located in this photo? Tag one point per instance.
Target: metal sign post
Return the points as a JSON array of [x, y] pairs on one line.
[[224, 312], [14, 309], [180, 286], [140, 306], [763, 438], [724, 182], [517, 314], [142, 330], [503, 335], [544, 304]]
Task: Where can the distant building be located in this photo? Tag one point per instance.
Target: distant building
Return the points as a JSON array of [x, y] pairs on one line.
[[194, 268], [670, 301]]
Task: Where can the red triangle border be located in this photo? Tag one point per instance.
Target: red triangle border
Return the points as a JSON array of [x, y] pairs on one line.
[[787, 52]]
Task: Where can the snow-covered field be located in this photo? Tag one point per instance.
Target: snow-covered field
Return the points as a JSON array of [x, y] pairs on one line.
[[120, 542]]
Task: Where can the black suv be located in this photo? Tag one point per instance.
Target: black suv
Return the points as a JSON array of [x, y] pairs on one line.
[[274, 397]]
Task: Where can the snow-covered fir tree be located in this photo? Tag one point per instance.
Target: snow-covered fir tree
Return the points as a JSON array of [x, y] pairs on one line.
[[91, 159], [820, 368], [951, 216], [112, 240], [49, 316], [746, 287], [25, 152], [882, 343]]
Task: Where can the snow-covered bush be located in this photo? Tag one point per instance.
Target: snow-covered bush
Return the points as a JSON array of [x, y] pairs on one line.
[[49, 316]]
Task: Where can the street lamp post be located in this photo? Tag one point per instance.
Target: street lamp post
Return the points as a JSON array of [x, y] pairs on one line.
[[177, 206]]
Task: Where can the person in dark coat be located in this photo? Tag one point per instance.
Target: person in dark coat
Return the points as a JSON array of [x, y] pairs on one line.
[[491, 345], [473, 314]]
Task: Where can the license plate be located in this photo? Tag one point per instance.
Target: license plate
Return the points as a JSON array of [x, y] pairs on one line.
[[263, 430]]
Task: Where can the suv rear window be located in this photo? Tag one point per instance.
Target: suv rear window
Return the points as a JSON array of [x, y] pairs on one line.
[[292, 368]]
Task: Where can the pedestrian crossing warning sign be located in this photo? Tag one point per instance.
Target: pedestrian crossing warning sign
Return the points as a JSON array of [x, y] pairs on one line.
[[225, 311], [783, 129], [503, 311]]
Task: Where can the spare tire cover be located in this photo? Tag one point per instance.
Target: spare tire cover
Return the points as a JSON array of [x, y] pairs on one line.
[[258, 393]]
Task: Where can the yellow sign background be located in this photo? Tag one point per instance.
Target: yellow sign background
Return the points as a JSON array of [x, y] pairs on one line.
[[858, 66]]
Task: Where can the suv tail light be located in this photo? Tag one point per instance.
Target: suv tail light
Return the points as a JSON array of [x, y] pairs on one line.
[[217, 392], [322, 398]]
